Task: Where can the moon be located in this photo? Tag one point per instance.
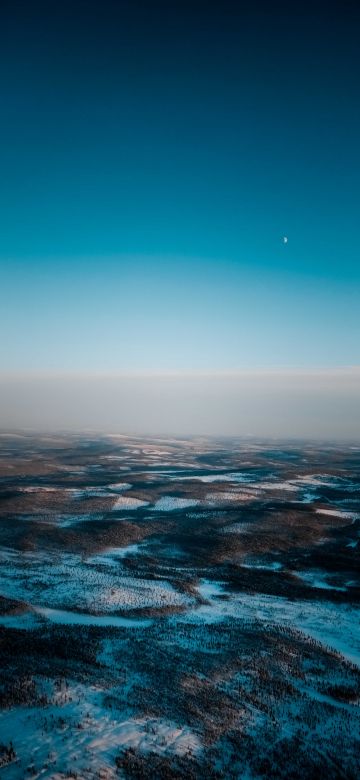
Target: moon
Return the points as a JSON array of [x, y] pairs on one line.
[[285, 239]]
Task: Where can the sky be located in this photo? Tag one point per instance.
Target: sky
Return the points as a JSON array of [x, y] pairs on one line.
[[153, 157]]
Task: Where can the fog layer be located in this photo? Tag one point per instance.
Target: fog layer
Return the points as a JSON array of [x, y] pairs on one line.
[[324, 404]]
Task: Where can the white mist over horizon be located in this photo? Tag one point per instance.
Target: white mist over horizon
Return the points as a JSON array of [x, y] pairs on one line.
[[323, 404]]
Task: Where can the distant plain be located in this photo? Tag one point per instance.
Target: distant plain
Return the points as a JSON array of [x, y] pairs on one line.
[[177, 608]]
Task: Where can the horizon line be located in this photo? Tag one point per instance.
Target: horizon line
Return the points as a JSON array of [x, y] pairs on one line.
[[181, 373]]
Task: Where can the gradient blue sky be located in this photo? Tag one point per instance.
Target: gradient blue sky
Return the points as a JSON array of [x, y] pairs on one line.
[[153, 155]]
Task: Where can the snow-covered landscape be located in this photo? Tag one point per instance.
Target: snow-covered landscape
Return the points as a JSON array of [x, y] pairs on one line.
[[179, 608]]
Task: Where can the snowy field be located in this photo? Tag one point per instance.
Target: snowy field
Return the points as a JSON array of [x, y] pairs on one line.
[[178, 609]]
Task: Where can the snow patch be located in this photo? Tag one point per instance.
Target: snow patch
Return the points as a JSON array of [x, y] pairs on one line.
[[127, 503], [171, 503]]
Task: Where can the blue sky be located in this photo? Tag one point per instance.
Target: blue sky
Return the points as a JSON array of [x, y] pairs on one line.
[[118, 314], [153, 156]]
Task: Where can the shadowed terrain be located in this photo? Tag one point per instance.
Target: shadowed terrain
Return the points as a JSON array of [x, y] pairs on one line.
[[176, 608]]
